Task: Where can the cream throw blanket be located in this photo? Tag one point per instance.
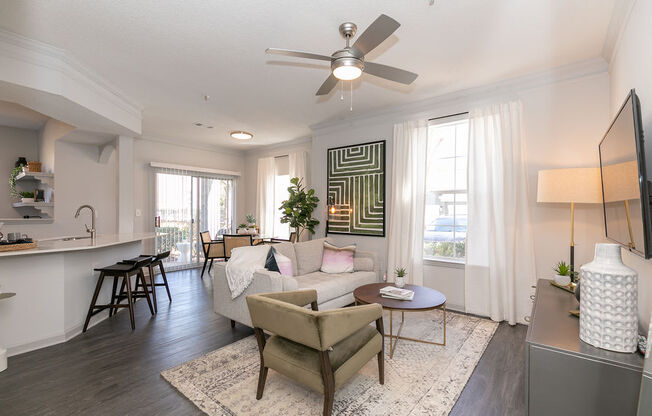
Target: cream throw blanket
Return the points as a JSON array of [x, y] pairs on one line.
[[241, 266]]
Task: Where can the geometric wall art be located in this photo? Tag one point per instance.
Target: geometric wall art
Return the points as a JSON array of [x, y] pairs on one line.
[[356, 188]]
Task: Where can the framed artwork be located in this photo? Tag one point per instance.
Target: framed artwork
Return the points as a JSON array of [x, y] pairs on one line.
[[356, 189]]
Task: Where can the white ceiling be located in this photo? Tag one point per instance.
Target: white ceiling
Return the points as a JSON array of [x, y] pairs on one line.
[[15, 115], [166, 55]]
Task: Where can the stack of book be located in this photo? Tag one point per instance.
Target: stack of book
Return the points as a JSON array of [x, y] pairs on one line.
[[392, 292]]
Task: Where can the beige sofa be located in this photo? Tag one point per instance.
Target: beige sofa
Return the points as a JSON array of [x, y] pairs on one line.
[[333, 290]]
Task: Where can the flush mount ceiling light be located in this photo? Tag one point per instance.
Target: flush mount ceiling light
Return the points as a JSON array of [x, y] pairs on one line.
[[242, 135]]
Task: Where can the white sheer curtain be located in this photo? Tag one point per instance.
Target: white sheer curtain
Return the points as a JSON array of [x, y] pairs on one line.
[[265, 195], [405, 247], [298, 166], [499, 247]]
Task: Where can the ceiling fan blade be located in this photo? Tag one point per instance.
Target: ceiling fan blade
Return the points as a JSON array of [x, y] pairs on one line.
[[376, 33], [328, 85], [390, 73], [298, 54]]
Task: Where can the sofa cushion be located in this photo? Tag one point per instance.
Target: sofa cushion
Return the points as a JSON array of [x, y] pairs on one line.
[[361, 264], [287, 249], [333, 285], [308, 255]]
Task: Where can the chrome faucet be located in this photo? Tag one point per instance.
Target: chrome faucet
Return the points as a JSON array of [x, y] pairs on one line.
[[90, 230]]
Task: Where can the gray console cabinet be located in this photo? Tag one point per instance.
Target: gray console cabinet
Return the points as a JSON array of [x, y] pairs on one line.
[[566, 376]]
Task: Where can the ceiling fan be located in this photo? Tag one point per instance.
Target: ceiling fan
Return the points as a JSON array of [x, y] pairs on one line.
[[348, 63]]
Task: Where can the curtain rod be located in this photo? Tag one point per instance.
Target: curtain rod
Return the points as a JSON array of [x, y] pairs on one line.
[[451, 115], [194, 169]]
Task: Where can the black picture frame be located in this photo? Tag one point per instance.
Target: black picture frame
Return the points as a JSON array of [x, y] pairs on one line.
[[384, 180]]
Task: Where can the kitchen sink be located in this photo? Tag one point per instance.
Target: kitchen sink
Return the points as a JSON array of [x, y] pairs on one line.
[[76, 238]]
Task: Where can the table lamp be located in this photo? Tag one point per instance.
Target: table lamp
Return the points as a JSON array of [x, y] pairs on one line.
[[571, 185]]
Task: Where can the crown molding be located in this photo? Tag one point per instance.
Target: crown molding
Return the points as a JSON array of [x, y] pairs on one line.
[[209, 148], [509, 88], [44, 67], [278, 146], [619, 19]]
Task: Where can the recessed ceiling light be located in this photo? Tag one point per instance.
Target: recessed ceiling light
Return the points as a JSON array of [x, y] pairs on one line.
[[209, 127], [198, 124], [242, 135]]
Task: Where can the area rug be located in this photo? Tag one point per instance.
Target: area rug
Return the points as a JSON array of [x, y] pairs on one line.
[[421, 379]]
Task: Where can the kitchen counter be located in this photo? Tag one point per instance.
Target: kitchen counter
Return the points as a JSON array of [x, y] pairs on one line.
[[58, 245], [54, 284]]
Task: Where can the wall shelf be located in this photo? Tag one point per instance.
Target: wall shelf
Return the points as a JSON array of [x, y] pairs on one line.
[[33, 204], [45, 178]]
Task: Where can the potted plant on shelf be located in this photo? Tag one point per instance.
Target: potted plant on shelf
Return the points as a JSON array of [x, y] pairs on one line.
[[242, 228], [27, 197], [400, 273], [12, 181], [562, 273], [298, 208]]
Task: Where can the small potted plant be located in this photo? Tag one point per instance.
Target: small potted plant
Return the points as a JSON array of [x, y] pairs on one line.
[[400, 273], [562, 273], [242, 228], [27, 197], [252, 228]]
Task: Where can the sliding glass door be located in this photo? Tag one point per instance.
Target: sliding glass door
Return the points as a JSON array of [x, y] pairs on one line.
[[186, 204]]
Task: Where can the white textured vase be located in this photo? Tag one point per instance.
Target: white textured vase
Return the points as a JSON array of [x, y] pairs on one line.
[[609, 301]]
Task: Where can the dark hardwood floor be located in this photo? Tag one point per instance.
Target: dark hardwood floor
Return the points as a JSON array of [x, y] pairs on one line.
[[112, 370]]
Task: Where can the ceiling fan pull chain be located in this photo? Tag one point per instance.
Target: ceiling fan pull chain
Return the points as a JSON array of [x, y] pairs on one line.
[[342, 91], [351, 83]]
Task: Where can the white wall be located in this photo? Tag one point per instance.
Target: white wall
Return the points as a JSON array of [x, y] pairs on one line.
[[563, 122], [14, 143], [631, 67], [146, 151]]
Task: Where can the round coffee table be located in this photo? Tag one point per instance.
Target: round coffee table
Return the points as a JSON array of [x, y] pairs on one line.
[[425, 299]]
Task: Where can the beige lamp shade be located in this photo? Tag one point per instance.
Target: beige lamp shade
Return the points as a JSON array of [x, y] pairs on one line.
[[578, 185]]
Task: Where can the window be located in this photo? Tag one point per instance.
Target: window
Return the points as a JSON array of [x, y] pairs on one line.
[[446, 210], [281, 185]]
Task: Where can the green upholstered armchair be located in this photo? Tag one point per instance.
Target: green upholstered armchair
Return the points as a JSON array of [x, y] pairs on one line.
[[321, 350]]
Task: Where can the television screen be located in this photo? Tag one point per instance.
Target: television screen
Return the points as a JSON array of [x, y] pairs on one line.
[[624, 182]]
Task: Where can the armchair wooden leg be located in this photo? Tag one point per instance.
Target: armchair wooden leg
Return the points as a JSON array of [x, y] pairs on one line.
[[262, 376], [232, 323], [381, 354], [204, 268], [210, 266], [329, 382]]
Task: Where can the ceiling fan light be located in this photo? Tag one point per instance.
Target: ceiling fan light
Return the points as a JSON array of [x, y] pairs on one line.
[[242, 135], [347, 69], [347, 73]]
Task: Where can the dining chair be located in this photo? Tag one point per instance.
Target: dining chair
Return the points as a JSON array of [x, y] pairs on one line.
[[232, 241], [213, 249], [292, 239]]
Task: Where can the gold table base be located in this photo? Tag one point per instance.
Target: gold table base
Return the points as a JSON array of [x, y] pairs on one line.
[[392, 346]]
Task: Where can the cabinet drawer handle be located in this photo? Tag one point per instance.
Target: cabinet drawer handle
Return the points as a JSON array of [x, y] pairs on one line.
[[526, 319], [532, 297]]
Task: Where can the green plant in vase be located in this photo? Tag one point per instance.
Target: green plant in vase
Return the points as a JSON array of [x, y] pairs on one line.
[[400, 273], [562, 273], [298, 208]]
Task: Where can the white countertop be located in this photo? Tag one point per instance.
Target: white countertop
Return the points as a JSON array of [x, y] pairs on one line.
[[57, 245]]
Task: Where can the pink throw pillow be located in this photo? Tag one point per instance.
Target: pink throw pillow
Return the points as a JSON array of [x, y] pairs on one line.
[[337, 259]]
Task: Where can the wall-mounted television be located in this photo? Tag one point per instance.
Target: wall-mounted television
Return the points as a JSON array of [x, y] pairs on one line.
[[625, 188]]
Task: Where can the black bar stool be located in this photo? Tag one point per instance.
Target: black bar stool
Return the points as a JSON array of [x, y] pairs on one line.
[[124, 271], [156, 260]]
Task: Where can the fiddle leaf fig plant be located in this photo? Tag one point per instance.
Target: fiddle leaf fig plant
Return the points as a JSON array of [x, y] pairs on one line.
[[298, 208]]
